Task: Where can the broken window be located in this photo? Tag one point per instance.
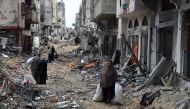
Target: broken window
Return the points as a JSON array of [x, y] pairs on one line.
[[136, 24], [28, 3], [130, 24], [167, 5], [145, 21]]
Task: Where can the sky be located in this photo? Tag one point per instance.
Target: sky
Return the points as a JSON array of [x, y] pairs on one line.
[[71, 8]]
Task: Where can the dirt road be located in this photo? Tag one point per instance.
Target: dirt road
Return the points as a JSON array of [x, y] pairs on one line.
[[67, 88], [62, 78]]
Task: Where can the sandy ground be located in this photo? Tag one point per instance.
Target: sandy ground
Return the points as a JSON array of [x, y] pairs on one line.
[[60, 69]]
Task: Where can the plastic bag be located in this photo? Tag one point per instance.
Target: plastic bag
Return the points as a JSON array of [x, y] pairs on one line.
[[118, 99], [29, 61], [99, 94], [29, 78], [4, 42]]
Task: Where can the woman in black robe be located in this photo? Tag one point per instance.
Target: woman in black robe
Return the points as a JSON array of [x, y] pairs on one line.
[[42, 72]]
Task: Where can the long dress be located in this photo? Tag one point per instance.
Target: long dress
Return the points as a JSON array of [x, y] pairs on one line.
[[42, 71], [35, 67], [108, 79]]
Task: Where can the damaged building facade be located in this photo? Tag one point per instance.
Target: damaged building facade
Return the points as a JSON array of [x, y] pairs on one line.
[[169, 32], [160, 28], [133, 21], [52, 17], [104, 15], [84, 27], [46, 17], [23, 22], [16, 18]]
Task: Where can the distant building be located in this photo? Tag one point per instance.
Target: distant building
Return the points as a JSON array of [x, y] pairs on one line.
[[61, 17], [46, 17], [103, 13]]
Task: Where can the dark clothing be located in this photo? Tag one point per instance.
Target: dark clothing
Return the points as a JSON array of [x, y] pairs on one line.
[[109, 76], [51, 54], [42, 75], [108, 93], [116, 57], [108, 79], [77, 40], [34, 66], [49, 58]]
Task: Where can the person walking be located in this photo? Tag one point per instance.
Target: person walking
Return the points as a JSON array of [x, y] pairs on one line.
[[51, 53], [107, 82], [35, 67], [42, 71]]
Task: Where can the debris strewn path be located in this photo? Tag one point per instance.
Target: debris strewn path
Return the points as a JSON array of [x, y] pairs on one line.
[[68, 88]]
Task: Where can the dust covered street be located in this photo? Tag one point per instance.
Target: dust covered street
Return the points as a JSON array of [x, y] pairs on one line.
[[69, 87], [94, 54]]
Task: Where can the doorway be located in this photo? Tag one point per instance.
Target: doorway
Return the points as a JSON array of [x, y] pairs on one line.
[[186, 33], [165, 42], [144, 46]]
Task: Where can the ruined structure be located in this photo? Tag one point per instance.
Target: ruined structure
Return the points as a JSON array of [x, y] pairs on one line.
[[16, 18]]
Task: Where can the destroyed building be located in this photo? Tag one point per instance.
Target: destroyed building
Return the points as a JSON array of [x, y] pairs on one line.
[[52, 17], [16, 18], [160, 28], [97, 19], [46, 17]]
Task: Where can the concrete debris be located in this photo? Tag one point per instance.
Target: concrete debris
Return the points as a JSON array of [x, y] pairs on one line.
[[73, 77], [184, 106], [5, 56], [149, 97], [163, 69]]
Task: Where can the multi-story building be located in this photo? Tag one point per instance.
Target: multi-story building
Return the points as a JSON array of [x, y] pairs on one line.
[[46, 17], [104, 15], [61, 17], [77, 22], [160, 28], [170, 32], [133, 21], [84, 25]]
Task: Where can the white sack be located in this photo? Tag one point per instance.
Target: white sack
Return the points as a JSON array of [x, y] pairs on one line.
[[29, 61], [29, 78], [118, 98], [4, 42], [99, 94], [36, 42]]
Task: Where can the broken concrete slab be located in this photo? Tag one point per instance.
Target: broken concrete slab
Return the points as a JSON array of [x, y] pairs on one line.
[[163, 69]]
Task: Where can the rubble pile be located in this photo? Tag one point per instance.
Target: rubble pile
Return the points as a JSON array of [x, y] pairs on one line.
[[73, 78]]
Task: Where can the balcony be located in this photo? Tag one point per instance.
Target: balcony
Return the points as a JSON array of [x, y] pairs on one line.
[[104, 9], [129, 7]]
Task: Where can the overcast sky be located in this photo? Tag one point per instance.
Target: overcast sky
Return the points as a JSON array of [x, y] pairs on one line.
[[71, 8]]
